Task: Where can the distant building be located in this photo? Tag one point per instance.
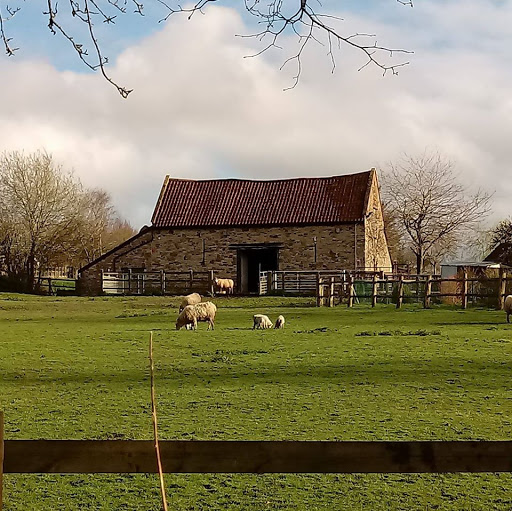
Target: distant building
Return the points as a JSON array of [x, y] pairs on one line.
[[475, 268], [241, 227], [501, 254]]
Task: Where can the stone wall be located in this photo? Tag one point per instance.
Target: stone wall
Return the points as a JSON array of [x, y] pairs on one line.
[[337, 247]]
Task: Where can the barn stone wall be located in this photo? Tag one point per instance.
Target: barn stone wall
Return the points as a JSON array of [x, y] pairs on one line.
[[337, 247]]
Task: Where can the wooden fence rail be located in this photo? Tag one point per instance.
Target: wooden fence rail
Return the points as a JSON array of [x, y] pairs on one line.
[[138, 456], [420, 289]]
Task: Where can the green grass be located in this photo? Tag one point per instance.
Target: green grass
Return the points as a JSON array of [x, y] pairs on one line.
[[75, 368]]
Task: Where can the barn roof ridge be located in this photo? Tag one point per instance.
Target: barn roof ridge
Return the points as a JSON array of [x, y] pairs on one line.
[[284, 179]]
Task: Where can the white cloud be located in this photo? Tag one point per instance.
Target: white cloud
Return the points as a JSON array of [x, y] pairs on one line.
[[201, 110]]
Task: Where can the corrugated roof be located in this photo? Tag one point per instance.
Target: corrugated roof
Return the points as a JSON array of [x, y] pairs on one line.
[[238, 202]]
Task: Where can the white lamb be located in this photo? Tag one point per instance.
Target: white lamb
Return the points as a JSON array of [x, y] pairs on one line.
[[190, 299], [260, 321], [191, 314], [279, 322], [508, 307]]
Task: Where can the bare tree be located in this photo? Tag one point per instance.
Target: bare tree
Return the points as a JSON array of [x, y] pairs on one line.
[[433, 206], [38, 206], [100, 227], [499, 241], [276, 18]]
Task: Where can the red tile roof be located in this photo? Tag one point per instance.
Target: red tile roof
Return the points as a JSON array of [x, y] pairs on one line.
[[238, 202]]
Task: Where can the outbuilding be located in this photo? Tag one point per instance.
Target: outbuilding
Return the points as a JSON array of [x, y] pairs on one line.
[[239, 227]]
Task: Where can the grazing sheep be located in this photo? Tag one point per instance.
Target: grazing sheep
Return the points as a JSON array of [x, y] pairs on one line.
[[260, 321], [224, 285], [191, 299], [191, 314], [508, 307], [279, 322]]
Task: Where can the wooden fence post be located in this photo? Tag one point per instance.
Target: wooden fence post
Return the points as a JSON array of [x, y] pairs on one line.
[[129, 281], [331, 293], [350, 291], [400, 296], [502, 289], [1, 457], [269, 282], [191, 280], [465, 290], [374, 290], [162, 281], [319, 290], [428, 292], [211, 282]]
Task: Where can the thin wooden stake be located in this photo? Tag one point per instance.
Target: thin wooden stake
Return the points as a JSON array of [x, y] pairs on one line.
[[155, 423], [1, 457]]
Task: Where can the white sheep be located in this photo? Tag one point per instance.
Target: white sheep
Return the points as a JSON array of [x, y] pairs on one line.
[[508, 307], [279, 322], [191, 314], [260, 321], [224, 285], [190, 299]]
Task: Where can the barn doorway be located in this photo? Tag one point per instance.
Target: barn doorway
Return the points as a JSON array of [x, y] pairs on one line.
[[252, 259]]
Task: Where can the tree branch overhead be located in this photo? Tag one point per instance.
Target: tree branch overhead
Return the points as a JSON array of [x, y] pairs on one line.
[[277, 19]]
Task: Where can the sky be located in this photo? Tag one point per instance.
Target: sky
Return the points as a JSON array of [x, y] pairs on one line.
[[201, 108]]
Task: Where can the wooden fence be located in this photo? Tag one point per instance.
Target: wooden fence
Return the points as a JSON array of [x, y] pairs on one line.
[[464, 291], [158, 282], [55, 286]]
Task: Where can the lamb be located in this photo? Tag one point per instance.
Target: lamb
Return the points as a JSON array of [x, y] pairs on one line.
[[508, 307], [279, 322], [191, 299], [224, 285], [260, 321], [191, 314]]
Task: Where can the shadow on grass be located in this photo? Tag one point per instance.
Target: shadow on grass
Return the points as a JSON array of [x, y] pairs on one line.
[[453, 372]]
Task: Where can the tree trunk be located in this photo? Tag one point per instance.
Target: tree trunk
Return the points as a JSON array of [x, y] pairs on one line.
[[419, 261]]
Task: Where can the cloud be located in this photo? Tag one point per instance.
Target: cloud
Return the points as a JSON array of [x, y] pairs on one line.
[[200, 109]]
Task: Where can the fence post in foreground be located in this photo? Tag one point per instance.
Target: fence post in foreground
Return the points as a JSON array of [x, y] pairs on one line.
[[428, 292], [211, 282], [1, 457], [374, 290], [331, 293], [319, 291], [162, 281], [400, 296], [191, 280], [129, 281], [465, 290], [502, 289], [350, 291]]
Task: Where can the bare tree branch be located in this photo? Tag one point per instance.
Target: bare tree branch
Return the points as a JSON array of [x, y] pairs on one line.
[[275, 16]]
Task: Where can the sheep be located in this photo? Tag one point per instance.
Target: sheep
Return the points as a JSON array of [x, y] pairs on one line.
[[508, 307], [191, 314], [191, 299], [279, 322], [224, 285], [260, 321]]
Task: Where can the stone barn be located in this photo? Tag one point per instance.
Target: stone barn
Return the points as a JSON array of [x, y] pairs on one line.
[[240, 227]]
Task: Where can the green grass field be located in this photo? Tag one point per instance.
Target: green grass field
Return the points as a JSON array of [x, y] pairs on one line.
[[76, 368]]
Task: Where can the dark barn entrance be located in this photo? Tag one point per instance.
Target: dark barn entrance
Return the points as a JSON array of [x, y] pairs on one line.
[[251, 259]]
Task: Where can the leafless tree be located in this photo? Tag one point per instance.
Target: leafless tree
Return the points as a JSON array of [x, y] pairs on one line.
[[38, 206], [433, 206], [276, 19], [47, 218], [100, 227]]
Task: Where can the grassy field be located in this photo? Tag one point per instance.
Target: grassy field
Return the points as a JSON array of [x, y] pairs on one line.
[[73, 368]]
